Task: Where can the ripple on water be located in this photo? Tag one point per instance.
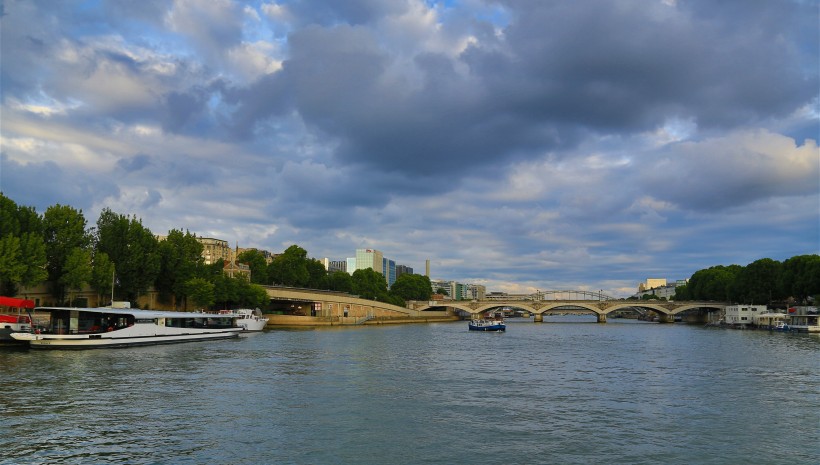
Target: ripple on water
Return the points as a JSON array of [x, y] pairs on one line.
[[548, 393]]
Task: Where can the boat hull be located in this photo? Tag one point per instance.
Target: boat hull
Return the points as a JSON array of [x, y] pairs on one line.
[[247, 319], [493, 327], [8, 328], [100, 341]]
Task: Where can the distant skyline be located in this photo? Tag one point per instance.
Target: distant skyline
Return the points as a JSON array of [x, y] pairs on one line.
[[517, 144]]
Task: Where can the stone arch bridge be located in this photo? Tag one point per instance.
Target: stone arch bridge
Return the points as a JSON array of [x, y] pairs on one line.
[[296, 306], [601, 308]]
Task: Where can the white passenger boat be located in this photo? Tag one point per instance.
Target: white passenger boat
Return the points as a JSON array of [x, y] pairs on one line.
[[248, 319], [87, 328]]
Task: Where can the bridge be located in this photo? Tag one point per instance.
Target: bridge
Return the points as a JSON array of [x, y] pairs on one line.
[[601, 308], [295, 306], [312, 307]]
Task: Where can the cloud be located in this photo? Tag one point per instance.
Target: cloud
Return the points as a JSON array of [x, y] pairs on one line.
[[521, 143], [733, 170]]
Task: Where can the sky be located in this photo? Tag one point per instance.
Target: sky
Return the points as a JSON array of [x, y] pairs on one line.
[[520, 144]]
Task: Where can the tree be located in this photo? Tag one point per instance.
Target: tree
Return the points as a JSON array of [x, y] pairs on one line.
[[33, 257], [290, 268], [180, 259], [800, 277], [682, 293], [225, 290], [369, 284], [133, 250], [317, 274], [9, 222], [11, 264], [757, 282], [200, 291], [339, 281], [412, 287], [64, 231], [256, 296], [715, 283], [102, 273], [257, 263], [22, 248], [76, 271], [248, 294]]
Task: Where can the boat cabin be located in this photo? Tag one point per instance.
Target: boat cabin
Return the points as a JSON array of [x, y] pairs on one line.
[[101, 320]]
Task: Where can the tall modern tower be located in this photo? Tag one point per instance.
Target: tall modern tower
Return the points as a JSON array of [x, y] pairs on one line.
[[427, 268], [369, 258]]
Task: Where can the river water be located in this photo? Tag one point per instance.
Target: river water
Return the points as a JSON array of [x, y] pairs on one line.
[[567, 391]]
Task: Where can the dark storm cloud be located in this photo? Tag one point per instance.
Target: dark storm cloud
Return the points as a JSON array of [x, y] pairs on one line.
[[561, 70], [520, 142], [135, 163], [43, 184]]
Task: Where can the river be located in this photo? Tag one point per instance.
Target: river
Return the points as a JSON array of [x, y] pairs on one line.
[[566, 391]]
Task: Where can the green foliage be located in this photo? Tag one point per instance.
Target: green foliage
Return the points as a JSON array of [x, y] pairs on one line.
[[317, 274], [180, 260], [290, 268], [682, 293], [237, 292], [102, 273], [257, 263], [200, 291], [63, 231], [9, 223], [369, 284], [132, 248], [715, 283], [392, 299], [11, 263], [756, 283], [759, 282], [22, 247], [76, 270], [33, 256], [412, 287], [800, 277], [339, 281], [256, 296]]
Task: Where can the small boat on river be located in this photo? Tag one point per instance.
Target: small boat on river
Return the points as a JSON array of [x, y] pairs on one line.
[[781, 326], [487, 325], [90, 328], [248, 319]]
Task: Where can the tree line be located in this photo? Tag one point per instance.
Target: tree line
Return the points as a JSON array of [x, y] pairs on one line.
[[763, 281], [120, 256], [294, 268]]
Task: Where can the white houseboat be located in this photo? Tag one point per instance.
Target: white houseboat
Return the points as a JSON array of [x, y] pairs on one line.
[[804, 319], [86, 328], [248, 319]]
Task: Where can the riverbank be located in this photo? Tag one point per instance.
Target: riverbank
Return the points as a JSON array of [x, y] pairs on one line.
[[299, 320]]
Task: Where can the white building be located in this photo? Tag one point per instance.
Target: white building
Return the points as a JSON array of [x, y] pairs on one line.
[[743, 314]]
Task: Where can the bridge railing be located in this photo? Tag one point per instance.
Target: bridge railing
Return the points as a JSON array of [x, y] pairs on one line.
[[552, 295]]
